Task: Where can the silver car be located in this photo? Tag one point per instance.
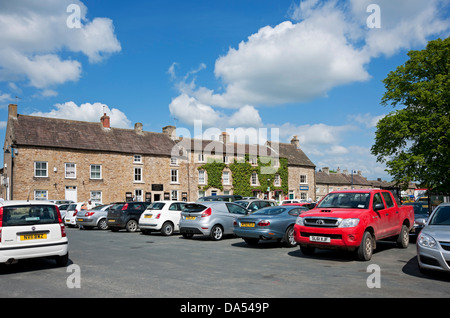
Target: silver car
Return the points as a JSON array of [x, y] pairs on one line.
[[96, 217], [433, 242], [212, 218], [255, 204]]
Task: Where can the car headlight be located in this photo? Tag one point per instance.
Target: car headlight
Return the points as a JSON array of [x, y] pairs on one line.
[[426, 240], [349, 222], [299, 221]]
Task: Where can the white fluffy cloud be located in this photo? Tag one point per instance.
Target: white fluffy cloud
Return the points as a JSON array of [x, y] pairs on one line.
[[36, 34], [87, 112]]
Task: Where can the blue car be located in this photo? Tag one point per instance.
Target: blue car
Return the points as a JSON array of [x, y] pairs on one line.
[[272, 223]]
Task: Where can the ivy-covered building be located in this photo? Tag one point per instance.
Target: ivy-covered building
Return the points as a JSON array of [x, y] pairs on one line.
[[57, 159]]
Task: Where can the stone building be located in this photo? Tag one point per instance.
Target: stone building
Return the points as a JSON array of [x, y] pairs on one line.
[[49, 158]]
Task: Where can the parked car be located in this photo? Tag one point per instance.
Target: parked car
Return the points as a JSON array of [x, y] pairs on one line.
[[163, 216], [96, 217], [421, 214], [229, 198], [433, 242], [254, 205], [213, 218], [271, 223], [354, 220], [309, 205], [63, 210], [125, 215], [31, 229], [71, 214], [58, 202], [289, 201]]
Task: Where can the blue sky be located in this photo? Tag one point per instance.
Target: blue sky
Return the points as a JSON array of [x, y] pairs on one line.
[[308, 68]]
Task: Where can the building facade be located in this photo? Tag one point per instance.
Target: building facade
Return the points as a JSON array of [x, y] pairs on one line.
[[54, 159]]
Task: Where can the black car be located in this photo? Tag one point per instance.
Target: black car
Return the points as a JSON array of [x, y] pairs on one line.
[[225, 197], [125, 215], [421, 214]]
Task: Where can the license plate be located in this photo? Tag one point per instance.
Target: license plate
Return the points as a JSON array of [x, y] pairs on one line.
[[321, 239], [147, 216], [190, 218], [28, 237], [111, 221], [80, 220], [247, 224]]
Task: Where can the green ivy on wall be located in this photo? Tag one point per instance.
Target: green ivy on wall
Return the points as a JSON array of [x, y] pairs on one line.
[[242, 172]]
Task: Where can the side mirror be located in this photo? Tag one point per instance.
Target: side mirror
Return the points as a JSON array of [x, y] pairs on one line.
[[378, 206]]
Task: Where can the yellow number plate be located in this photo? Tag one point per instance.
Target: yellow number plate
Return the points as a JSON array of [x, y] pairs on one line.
[[148, 216], [28, 237], [247, 224], [190, 218]]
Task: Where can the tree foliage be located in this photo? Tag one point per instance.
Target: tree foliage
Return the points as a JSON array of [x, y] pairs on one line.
[[414, 141]]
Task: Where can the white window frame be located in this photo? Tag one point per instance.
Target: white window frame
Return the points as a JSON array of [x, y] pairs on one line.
[[90, 171], [173, 161], [202, 177], [277, 180], [174, 176], [226, 180], [254, 179], [137, 159], [174, 195], [138, 195], [201, 157], [67, 171], [254, 161], [41, 169], [96, 196], [305, 180], [137, 176], [44, 197]]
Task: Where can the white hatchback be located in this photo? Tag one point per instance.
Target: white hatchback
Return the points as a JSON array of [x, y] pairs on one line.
[[163, 216], [32, 229], [71, 214]]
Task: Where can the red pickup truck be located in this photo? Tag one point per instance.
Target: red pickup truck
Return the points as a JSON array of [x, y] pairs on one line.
[[354, 220]]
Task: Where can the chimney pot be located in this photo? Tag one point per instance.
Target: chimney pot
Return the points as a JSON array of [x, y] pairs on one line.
[[12, 111], [105, 121], [224, 137], [295, 142]]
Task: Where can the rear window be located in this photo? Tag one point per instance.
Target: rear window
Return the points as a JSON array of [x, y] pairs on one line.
[[156, 206], [270, 211], [26, 215], [72, 207], [193, 208]]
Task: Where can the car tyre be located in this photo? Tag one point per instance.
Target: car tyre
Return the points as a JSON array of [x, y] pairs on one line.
[[131, 226], [403, 237], [289, 239], [62, 261], [216, 233], [102, 224], [167, 229], [365, 249]]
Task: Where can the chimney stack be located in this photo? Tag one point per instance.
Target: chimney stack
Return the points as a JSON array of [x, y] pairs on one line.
[[295, 142], [105, 121], [12, 111], [224, 137], [138, 128], [326, 170], [171, 131]]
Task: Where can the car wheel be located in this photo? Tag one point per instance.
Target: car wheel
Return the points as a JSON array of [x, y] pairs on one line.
[[288, 239], [216, 233], [167, 229], [102, 224], [131, 226], [62, 260], [365, 249], [403, 238]]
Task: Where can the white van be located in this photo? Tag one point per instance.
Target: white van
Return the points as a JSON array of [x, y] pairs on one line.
[[32, 229]]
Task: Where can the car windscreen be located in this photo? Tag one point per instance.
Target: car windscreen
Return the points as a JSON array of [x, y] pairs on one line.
[[270, 211], [441, 216], [346, 200], [156, 206], [29, 214], [193, 208]]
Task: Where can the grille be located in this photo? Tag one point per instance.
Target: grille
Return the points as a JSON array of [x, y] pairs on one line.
[[445, 245], [321, 222]]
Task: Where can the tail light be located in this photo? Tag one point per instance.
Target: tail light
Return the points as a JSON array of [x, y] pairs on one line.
[[207, 212], [89, 213], [61, 224], [75, 213], [263, 223], [125, 206], [159, 214]]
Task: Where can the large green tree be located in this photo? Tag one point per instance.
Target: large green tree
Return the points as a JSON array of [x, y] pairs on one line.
[[414, 141]]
